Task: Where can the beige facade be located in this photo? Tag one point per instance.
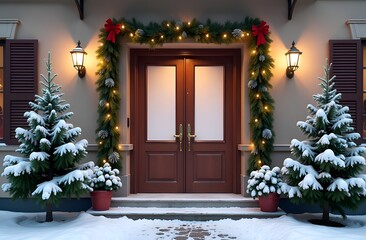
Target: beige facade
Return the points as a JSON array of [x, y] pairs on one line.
[[57, 26]]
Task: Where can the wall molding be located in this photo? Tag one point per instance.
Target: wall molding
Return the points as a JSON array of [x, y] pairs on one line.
[[358, 28], [276, 147], [8, 28]]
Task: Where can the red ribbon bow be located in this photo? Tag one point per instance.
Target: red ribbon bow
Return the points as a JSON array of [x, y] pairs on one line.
[[260, 31], [112, 30]]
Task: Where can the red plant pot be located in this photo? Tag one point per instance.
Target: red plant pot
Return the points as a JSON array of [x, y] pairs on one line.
[[101, 200], [269, 203]]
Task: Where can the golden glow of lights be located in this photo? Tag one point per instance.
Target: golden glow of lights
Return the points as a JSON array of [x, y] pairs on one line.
[[269, 49], [123, 26], [253, 73], [177, 27], [263, 142], [264, 71], [131, 34], [114, 91], [117, 128], [243, 35], [168, 25], [252, 144], [257, 95], [162, 36], [100, 142], [101, 62], [101, 44], [259, 161], [104, 161], [180, 37], [152, 40], [247, 34], [189, 23], [266, 107], [207, 35], [254, 51], [225, 35], [107, 104], [256, 120]]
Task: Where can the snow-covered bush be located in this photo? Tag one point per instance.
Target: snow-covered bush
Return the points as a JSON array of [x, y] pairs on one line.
[[264, 181], [105, 178]]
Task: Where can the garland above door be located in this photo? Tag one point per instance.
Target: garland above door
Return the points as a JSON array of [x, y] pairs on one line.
[[252, 31]]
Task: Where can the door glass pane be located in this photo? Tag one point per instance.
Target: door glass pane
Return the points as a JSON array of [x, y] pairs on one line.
[[161, 88], [209, 102]]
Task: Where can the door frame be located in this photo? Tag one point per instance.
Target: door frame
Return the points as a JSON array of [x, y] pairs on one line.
[[235, 54]]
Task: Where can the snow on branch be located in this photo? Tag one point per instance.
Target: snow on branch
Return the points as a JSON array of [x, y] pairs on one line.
[[73, 132], [81, 145], [328, 156], [45, 141], [31, 115], [297, 166], [341, 122], [306, 149], [42, 129], [312, 108], [39, 156], [47, 188], [65, 148], [76, 175], [27, 135], [18, 169], [325, 139], [356, 182], [340, 184], [291, 190], [352, 160], [306, 127], [310, 181], [6, 187], [352, 136], [320, 114], [10, 160]]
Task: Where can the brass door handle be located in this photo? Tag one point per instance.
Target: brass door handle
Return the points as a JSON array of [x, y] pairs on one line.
[[189, 136], [180, 136]]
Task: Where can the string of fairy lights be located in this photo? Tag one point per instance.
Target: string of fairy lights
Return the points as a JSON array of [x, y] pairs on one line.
[[252, 31]]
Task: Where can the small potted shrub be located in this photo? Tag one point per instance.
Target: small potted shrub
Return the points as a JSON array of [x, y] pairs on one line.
[[265, 184], [103, 181]]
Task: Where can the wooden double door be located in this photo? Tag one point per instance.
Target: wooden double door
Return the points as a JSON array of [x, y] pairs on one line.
[[184, 121]]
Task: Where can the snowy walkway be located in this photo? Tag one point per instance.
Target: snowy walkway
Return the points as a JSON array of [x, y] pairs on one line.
[[83, 226]]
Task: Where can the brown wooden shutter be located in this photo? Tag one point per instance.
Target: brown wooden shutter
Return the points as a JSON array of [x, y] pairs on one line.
[[346, 57], [20, 84]]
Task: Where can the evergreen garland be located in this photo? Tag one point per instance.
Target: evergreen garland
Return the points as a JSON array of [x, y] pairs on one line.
[[155, 34]]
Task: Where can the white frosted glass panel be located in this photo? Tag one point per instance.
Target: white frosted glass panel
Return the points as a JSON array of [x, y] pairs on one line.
[[161, 81], [209, 103]]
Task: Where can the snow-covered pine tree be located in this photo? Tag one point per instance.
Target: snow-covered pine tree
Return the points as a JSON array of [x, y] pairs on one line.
[[327, 165], [48, 167]]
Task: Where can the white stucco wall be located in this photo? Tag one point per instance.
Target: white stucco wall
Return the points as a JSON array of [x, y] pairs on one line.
[[57, 26]]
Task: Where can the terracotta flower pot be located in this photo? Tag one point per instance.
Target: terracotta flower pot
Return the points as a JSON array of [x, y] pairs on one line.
[[101, 200], [269, 203]]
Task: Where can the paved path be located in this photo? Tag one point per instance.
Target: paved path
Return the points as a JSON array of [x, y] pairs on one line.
[[189, 231]]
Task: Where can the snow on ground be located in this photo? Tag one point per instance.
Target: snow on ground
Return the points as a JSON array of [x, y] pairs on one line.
[[83, 226]]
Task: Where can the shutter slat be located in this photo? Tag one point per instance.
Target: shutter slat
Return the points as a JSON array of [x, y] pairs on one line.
[[346, 59], [20, 84]]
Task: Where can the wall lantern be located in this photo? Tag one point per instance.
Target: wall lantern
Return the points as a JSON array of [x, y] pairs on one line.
[[293, 59], [78, 57]]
